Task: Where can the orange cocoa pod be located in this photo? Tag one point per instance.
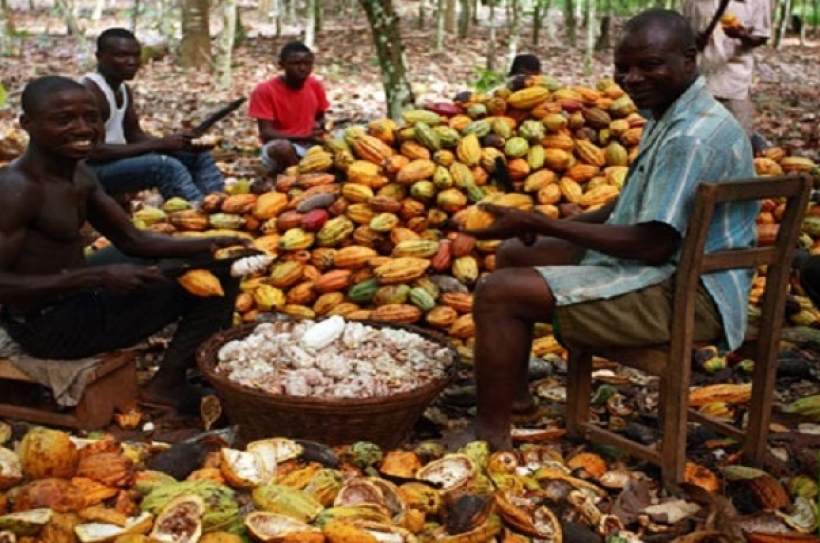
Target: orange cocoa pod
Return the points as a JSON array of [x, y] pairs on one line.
[[443, 259], [400, 313], [441, 316], [301, 294], [326, 302], [460, 301], [463, 244], [332, 281]]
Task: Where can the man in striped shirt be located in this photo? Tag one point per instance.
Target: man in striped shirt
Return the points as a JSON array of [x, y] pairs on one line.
[[607, 277]]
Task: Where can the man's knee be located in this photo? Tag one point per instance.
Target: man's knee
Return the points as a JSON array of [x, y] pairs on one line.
[[544, 252], [279, 154]]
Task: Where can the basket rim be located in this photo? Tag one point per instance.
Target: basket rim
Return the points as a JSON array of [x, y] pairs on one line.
[[207, 352]]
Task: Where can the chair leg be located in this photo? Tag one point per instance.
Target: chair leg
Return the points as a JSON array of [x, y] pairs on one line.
[[673, 409], [755, 443], [579, 388]]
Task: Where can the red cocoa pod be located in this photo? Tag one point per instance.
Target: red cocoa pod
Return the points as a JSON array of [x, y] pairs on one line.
[[463, 244], [443, 258], [288, 220], [314, 220]]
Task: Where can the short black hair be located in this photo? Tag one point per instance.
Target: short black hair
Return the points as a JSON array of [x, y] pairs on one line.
[[293, 48], [113, 33], [38, 89], [672, 21], [526, 63]]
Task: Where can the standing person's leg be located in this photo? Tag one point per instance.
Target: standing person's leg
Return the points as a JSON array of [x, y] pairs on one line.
[[165, 173], [203, 170]]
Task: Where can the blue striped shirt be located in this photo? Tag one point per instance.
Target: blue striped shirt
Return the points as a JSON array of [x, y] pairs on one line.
[[696, 140]]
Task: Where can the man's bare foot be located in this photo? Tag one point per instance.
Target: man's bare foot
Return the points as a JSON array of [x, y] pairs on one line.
[[183, 398], [465, 396], [497, 442]]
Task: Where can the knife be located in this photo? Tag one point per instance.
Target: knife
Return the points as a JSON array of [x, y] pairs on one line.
[[217, 116]]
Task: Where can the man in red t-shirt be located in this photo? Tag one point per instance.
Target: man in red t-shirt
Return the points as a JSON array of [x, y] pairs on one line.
[[289, 109]]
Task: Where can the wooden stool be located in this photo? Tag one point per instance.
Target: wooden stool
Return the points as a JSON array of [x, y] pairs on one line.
[[111, 387]]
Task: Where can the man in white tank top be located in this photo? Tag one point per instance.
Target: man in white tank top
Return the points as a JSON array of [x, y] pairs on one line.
[[131, 160]]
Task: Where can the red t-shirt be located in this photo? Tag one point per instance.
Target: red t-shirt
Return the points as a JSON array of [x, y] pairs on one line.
[[291, 111]]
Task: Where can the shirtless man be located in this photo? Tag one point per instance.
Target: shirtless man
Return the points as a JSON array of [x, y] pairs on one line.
[[56, 304]]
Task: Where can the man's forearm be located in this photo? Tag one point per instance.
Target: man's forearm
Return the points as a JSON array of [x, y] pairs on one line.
[[598, 216], [152, 245], [109, 152]]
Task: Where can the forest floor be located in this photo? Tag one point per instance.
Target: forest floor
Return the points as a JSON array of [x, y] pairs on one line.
[[168, 97]]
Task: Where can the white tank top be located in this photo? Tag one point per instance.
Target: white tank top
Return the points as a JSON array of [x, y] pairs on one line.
[[114, 132]]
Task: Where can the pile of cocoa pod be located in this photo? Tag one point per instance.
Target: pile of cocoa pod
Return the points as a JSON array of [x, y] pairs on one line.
[[60, 489], [368, 225]]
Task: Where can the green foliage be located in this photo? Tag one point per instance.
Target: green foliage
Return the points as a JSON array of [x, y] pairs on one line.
[[3, 95], [483, 80]]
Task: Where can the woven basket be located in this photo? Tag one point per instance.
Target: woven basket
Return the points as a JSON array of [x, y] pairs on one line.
[[385, 420]]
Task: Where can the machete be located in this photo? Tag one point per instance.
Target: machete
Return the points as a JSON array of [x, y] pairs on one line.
[[707, 33], [200, 129]]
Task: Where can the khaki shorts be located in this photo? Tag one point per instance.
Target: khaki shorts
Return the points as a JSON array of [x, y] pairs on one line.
[[636, 319]]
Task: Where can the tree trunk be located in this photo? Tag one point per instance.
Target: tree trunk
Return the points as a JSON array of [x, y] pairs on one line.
[[515, 31], [604, 41], [440, 24], [464, 19], [135, 16], [422, 9], [68, 9], [225, 45], [7, 31], [279, 9], [589, 51], [549, 25], [384, 25], [320, 16], [264, 9], [99, 7], [570, 22], [450, 17], [804, 21], [310, 24], [166, 17], [195, 49], [474, 11], [536, 23], [491, 41], [782, 23]]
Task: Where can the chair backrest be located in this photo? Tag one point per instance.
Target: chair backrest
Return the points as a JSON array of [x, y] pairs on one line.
[[777, 257]]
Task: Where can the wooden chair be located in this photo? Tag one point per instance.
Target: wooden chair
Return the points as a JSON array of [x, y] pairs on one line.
[[672, 361]]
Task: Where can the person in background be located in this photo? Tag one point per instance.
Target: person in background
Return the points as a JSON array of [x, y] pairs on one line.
[[523, 66], [726, 56], [289, 109], [58, 304], [129, 160], [606, 277]]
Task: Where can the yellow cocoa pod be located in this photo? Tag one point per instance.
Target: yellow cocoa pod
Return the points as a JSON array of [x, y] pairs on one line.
[[631, 137], [239, 203], [468, 150], [201, 283], [599, 195], [582, 172], [451, 200], [589, 153], [444, 157], [357, 193], [353, 257], [327, 301], [298, 311], [400, 313], [538, 180], [791, 164], [463, 327], [557, 159], [370, 148], [360, 213], [465, 269], [363, 172], [416, 170], [516, 200], [528, 98], [335, 231], [384, 222], [285, 274], [344, 309], [269, 205], [296, 239], [441, 316], [268, 297], [571, 190], [414, 150], [421, 248], [460, 301], [559, 141], [616, 155], [188, 220], [401, 270]]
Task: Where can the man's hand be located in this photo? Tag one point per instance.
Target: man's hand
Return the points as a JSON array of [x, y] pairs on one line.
[[701, 40], [177, 141], [125, 278], [319, 134], [509, 223], [220, 242]]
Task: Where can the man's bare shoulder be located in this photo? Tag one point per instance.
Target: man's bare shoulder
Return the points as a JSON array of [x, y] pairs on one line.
[[17, 190]]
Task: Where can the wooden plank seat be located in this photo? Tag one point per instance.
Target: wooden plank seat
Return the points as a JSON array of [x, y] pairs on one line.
[[111, 387]]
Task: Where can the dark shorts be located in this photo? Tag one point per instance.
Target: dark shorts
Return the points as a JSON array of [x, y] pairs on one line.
[[636, 319]]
